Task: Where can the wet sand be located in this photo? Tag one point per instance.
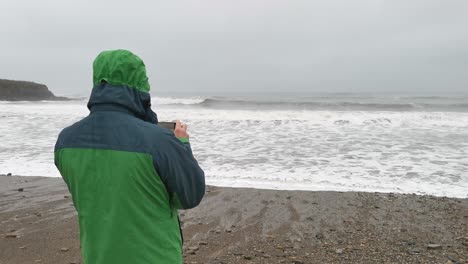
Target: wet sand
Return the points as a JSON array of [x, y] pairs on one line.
[[38, 224]]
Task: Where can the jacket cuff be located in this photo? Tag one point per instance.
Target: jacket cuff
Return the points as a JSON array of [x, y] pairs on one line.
[[184, 140]]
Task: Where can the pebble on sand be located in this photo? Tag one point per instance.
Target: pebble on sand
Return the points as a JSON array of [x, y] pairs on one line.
[[434, 246], [193, 248]]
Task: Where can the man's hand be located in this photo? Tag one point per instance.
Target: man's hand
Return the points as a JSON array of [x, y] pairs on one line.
[[180, 130]]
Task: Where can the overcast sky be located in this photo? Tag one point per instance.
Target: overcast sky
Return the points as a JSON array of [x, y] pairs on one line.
[[217, 46]]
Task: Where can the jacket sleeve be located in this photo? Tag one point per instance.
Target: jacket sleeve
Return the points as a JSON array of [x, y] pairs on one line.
[[180, 172]]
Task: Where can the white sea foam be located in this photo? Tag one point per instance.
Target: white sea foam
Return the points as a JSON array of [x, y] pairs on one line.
[[385, 151], [178, 100]]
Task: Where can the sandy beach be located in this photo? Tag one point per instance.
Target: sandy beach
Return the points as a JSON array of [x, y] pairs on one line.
[[38, 224]]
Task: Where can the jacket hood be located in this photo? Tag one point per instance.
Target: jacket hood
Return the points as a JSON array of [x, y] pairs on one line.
[[121, 84], [120, 67]]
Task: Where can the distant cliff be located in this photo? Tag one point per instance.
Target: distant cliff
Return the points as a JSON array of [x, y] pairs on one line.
[[25, 91]]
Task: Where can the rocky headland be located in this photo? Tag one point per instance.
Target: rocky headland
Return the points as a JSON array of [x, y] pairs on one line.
[[11, 90]]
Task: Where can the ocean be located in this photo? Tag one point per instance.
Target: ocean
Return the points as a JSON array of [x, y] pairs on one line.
[[337, 142]]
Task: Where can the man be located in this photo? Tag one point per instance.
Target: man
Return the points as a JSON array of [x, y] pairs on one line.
[[127, 176]]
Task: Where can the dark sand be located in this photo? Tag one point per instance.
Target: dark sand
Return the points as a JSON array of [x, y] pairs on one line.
[[39, 225]]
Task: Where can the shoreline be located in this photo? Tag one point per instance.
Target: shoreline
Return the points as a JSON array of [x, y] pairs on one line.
[[244, 225], [293, 189]]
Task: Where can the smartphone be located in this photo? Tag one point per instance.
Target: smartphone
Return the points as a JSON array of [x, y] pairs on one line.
[[168, 125]]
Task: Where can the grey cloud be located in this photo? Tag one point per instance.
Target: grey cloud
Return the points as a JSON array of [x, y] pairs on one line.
[[222, 46]]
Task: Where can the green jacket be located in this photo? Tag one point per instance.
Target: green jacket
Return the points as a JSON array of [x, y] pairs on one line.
[[127, 176]]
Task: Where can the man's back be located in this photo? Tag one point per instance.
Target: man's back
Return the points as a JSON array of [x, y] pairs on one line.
[[127, 178]]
